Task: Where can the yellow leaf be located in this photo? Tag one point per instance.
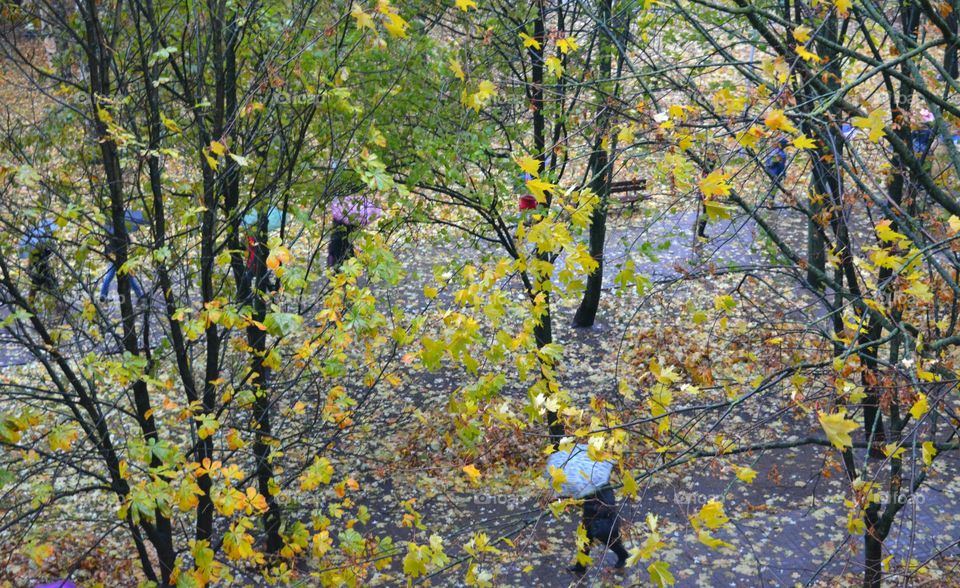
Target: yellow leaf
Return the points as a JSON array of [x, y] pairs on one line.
[[802, 33], [362, 19], [530, 165], [39, 553], [715, 184], [920, 407], [804, 142], [171, 125], [750, 137], [745, 474], [471, 471], [629, 485], [529, 41], [465, 5], [539, 188], [891, 450], [886, 233], [627, 134], [873, 122], [712, 515], [954, 223], [807, 55], [217, 148], [567, 44], [929, 452], [558, 478], [837, 427], [554, 65], [396, 26], [210, 160], [843, 6], [457, 69], [777, 120], [430, 292]]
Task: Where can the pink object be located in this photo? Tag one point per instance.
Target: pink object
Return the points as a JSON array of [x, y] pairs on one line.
[[926, 116], [528, 202], [354, 210]]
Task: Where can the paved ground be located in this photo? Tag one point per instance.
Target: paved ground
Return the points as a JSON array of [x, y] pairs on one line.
[[791, 520]]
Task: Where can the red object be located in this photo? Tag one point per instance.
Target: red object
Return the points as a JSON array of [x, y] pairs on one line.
[[528, 202]]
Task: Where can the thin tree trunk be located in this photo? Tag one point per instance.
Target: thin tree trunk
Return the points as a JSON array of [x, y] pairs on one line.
[[600, 176]]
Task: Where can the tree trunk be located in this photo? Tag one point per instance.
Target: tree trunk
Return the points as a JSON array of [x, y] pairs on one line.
[[600, 177]]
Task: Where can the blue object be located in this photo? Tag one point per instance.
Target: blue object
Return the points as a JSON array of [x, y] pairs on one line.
[[108, 279], [847, 130], [921, 139], [274, 218], [776, 164], [37, 235], [132, 219]]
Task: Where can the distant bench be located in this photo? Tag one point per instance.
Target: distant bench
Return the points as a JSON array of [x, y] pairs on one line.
[[628, 192]]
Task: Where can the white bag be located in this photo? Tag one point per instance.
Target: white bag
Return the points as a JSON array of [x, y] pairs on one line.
[[584, 475]]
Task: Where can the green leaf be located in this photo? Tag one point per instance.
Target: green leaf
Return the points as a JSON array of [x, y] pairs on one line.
[[281, 324]]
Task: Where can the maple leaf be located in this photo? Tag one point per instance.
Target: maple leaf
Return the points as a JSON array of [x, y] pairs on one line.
[[362, 19], [530, 165], [567, 44], [804, 142], [750, 137], [745, 474], [471, 471], [802, 33], [837, 427], [539, 188], [529, 41], [929, 452], [873, 122], [456, 69], [715, 184], [954, 222], [396, 26], [843, 6], [554, 65], [466, 5], [807, 55], [778, 121], [920, 407], [660, 575], [711, 514]]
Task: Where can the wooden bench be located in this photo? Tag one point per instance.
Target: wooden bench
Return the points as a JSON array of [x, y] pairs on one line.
[[628, 192]]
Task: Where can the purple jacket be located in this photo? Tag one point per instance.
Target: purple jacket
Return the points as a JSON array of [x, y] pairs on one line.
[[354, 210]]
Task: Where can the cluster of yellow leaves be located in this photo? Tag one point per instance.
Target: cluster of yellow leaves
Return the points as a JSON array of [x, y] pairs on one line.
[[873, 122], [481, 97], [838, 427], [420, 558], [659, 571], [392, 21], [710, 518], [777, 120]]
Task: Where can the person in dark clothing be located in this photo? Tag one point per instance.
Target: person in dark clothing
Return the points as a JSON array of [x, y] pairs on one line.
[[133, 220], [37, 247], [602, 523], [40, 272], [349, 213], [776, 163], [340, 249]]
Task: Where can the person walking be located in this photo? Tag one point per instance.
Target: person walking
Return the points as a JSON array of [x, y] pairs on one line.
[[133, 220], [37, 247], [350, 212]]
